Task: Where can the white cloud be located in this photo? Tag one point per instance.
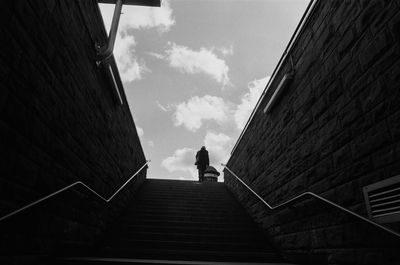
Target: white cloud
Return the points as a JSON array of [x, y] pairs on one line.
[[130, 68], [181, 160], [249, 101], [135, 17], [202, 61], [219, 146], [140, 131], [192, 113], [150, 143]]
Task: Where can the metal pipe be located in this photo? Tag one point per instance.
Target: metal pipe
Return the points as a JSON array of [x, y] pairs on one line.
[[115, 85], [51, 195], [311, 194], [106, 51]]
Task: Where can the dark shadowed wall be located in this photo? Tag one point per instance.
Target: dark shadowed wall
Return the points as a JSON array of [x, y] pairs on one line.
[[334, 130], [59, 123]]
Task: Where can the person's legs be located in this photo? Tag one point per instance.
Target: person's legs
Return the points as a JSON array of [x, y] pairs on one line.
[[201, 174]]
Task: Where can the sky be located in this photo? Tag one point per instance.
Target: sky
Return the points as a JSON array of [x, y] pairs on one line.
[[194, 70]]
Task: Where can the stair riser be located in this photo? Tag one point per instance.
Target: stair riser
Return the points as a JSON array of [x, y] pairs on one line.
[[184, 205], [184, 223], [197, 255], [206, 219], [146, 212], [209, 202], [203, 238], [184, 246], [179, 229]]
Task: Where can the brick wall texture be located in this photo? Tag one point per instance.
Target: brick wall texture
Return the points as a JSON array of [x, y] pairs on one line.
[[59, 123], [334, 130]]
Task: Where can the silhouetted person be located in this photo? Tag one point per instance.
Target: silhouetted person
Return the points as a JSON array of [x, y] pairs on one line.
[[202, 162]]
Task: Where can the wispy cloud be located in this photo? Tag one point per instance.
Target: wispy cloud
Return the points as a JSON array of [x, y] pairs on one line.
[[192, 113], [140, 131], [164, 108], [202, 61], [181, 160], [156, 55], [225, 51], [249, 101]]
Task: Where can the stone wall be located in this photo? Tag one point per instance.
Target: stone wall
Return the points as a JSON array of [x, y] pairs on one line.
[[334, 130], [59, 123]]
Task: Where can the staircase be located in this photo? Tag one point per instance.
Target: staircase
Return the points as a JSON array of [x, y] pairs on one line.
[[183, 222]]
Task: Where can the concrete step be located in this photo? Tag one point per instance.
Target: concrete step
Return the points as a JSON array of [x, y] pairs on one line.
[[118, 261], [185, 223], [189, 218], [184, 205], [166, 243], [185, 229], [210, 201], [214, 236], [178, 254], [185, 211]]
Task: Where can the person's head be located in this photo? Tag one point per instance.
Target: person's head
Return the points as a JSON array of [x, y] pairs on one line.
[[203, 148]]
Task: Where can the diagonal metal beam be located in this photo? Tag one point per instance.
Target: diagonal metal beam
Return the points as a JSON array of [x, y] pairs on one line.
[[134, 2], [105, 52]]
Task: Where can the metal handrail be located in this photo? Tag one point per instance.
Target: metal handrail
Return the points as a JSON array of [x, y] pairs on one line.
[[311, 194], [67, 188]]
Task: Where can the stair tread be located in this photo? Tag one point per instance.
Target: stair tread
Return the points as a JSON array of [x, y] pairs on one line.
[[170, 243], [200, 235], [146, 227], [155, 261], [196, 254]]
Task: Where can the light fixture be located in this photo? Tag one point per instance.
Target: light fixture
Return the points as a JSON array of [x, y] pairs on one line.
[[278, 91]]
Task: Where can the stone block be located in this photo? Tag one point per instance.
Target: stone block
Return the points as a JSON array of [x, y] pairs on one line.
[[374, 50], [371, 10], [389, 10], [342, 158], [351, 76], [394, 26], [371, 140], [394, 125]]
